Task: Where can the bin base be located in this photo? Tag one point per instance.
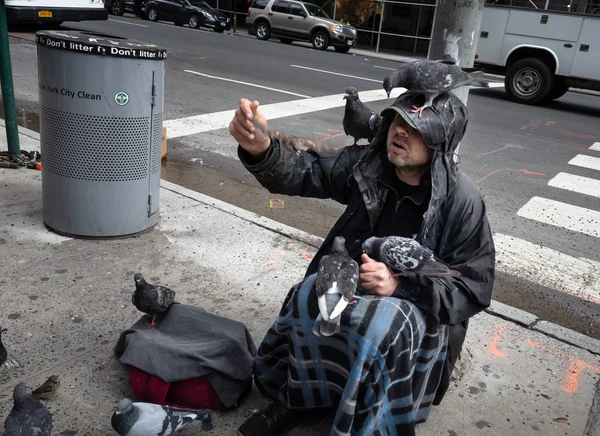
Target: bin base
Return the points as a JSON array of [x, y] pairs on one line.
[[96, 238]]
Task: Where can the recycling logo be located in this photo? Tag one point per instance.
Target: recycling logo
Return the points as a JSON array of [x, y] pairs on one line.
[[121, 98]]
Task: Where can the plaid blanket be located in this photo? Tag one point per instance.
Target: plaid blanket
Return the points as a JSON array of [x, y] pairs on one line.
[[380, 372]]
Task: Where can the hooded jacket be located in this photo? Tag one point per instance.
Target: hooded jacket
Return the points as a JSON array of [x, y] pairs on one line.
[[455, 225]]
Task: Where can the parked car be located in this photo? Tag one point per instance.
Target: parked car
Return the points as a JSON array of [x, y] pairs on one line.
[[119, 7], [196, 13], [291, 21]]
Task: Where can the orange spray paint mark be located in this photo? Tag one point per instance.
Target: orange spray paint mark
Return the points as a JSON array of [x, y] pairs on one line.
[[306, 256], [571, 383], [493, 346], [522, 170]]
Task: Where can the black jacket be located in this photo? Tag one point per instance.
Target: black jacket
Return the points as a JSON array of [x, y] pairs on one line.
[[455, 226]]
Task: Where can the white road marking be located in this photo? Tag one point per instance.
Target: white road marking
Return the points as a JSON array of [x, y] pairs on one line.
[[547, 267], [247, 83], [581, 160], [383, 68], [127, 22], [582, 185], [220, 120], [338, 74], [596, 146], [575, 218]]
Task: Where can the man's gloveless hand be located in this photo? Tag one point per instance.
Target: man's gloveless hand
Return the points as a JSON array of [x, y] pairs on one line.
[[249, 128], [376, 277]]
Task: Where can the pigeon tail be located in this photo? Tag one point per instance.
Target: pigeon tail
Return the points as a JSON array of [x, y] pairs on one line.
[[326, 328]]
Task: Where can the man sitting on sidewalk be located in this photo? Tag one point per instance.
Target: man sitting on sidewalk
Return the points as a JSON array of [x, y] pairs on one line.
[[398, 345]]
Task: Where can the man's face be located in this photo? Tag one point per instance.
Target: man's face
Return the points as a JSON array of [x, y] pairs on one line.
[[405, 146]]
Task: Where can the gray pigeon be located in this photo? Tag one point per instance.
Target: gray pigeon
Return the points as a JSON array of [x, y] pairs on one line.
[[335, 285], [3, 352], [431, 78], [359, 121], [29, 417], [153, 300], [404, 254], [145, 419]]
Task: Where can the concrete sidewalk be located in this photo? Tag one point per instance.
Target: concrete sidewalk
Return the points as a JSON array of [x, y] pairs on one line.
[[65, 301]]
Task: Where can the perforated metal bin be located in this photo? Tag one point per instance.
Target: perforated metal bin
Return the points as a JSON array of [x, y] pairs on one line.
[[101, 113]]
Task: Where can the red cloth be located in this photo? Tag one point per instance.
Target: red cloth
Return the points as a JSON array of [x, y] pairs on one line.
[[194, 393]]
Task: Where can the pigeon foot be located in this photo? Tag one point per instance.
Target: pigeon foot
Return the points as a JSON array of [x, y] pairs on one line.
[[151, 325], [418, 110]]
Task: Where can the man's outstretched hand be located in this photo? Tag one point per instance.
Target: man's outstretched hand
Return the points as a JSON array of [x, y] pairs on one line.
[[249, 128], [376, 277]]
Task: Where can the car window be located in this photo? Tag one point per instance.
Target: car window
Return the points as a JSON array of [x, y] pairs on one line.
[[315, 11], [201, 4], [281, 6], [259, 4], [296, 9]]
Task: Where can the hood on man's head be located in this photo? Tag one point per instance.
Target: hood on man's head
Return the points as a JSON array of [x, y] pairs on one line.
[[442, 125]]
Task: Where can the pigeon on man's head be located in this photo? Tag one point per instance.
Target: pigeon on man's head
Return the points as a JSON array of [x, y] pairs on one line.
[[3, 352], [145, 419], [28, 417], [359, 121], [431, 78], [402, 254], [335, 285], [153, 300]]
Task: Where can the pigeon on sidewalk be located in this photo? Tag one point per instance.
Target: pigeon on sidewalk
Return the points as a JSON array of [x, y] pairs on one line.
[[431, 78], [359, 121], [335, 285], [402, 254], [145, 419], [3, 352], [29, 417], [153, 300]]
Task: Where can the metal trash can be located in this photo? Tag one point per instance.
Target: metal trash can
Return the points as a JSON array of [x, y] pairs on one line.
[[101, 114]]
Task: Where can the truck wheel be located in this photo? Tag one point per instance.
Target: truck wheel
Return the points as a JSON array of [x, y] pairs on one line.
[[263, 31], [529, 81], [320, 40], [560, 88]]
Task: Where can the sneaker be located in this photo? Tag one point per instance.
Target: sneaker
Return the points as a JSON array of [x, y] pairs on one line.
[[277, 420]]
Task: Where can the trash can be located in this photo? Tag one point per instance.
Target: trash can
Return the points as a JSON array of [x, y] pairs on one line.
[[101, 114]]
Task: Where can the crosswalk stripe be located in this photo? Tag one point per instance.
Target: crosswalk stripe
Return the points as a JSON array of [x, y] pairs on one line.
[[548, 267], [596, 146], [220, 120], [581, 160], [575, 218], [579, 184]]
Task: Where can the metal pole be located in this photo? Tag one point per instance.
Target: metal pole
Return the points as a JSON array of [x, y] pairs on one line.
[[455, 33], [234, 15], [8, 91], [417, 32], [334, 8], [380, 24]]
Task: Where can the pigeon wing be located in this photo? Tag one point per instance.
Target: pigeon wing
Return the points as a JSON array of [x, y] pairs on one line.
[[374, 122], [164, 297], [402, 254], [435, 268]]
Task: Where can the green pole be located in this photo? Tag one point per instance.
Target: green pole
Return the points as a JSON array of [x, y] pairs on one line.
[[8, 91]]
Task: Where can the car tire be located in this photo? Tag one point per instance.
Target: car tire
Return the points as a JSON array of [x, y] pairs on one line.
[[529, 81], [117, 7], [194, 21], [320, 40], [342, 48], [560, 89], [286, 40], [263, 31], [152, 14]]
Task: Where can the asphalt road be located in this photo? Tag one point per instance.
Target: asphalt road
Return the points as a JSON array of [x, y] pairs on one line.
[[548, 252]]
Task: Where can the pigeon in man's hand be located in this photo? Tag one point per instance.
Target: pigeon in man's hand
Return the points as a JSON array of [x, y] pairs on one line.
[[431, 78], [29, 417], [359, 121], [3, 352], [153, 300], [402, 254], [335, 285], [48, 390], [145, 419]]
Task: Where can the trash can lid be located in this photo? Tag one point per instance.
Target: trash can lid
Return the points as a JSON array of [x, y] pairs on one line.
[[99, 44]]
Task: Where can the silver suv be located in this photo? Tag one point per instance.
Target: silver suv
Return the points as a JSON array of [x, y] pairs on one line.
[[291, 20]]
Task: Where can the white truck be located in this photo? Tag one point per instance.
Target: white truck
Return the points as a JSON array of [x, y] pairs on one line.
[[541, 53]]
